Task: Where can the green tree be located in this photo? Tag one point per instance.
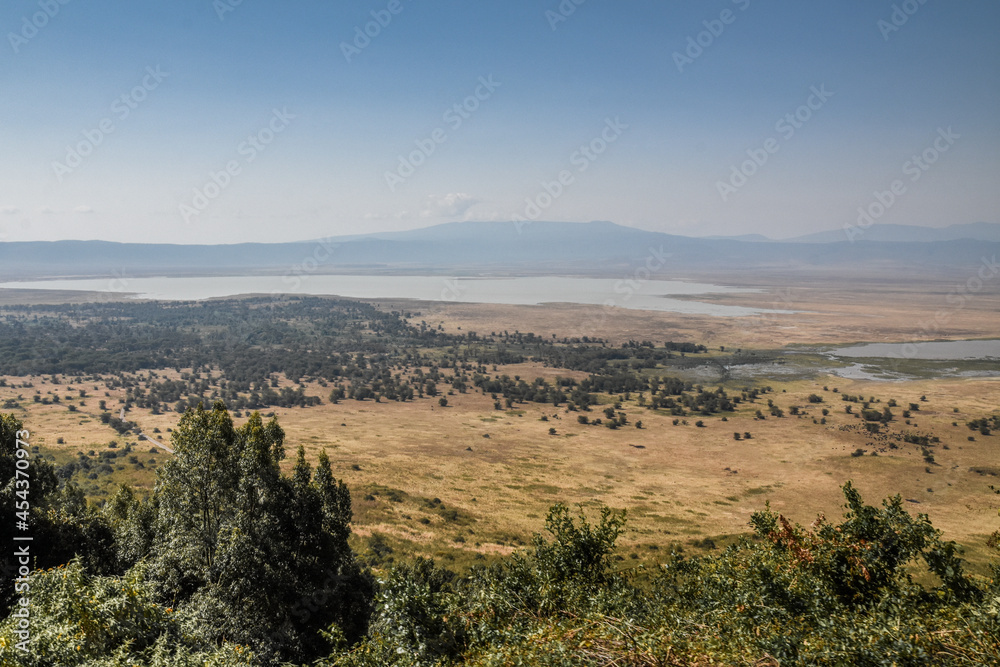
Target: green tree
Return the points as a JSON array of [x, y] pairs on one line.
[[196, 490], [247, 553], [61, 523], [80, 620], [133, 520]]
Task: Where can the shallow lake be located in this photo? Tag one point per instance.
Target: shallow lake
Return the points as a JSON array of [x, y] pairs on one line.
[[639, 295], [944, 350]]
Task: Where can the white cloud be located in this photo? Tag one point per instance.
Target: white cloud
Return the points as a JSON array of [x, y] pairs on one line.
[[10, 210], [83, 208], [452, 205], [484, 214]]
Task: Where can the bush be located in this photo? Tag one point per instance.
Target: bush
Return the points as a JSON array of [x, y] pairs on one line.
[[871, 415], [79, 620], [828, 595]]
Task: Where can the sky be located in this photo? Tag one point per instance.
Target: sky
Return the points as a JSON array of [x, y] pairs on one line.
[[225, 121]]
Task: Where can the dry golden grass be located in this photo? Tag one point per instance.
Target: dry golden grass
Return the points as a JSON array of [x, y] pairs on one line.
[[831, 309], [679, 483]]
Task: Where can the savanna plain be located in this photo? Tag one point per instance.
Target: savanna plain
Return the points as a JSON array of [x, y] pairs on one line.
[[457, 425]]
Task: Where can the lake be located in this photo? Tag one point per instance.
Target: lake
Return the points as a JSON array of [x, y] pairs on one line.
[[622, 293], [939, 350]]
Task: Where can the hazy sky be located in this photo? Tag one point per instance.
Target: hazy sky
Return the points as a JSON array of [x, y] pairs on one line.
[[199, 121]]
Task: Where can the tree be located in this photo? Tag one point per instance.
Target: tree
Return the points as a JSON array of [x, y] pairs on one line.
[[80, 620], [197, 490], [866, 556], [133, 520], [61, 523], [248, 551]]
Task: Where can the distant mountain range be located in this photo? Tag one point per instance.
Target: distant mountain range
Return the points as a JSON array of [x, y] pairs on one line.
[[498, 247], [976, 231], [888, 233]]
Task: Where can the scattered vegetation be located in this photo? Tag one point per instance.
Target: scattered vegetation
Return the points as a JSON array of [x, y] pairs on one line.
[[229, 562]]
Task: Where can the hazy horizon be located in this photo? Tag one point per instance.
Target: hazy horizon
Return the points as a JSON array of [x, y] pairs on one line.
[[376, 232], [498, 275], [228, 122]]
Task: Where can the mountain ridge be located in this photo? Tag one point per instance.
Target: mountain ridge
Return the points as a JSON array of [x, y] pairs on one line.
[[889, 232], [483, 246]]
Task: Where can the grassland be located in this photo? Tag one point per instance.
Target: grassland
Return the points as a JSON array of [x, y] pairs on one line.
[[467, 481], [494, 473]]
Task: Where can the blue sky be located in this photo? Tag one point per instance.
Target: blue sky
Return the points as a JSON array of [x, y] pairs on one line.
[[196, 121]]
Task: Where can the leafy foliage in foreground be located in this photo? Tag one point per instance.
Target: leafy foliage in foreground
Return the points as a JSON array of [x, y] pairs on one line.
[[80, 619], [232, 563], [829, 595], [61, 522], [227, 551], [241, 545]]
